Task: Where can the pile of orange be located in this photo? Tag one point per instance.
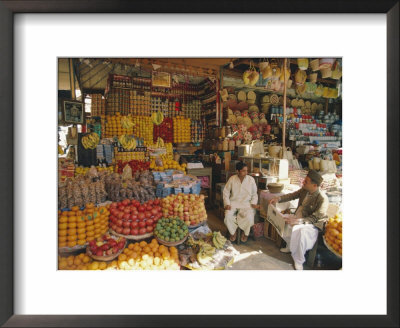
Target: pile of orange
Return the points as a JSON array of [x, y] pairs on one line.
[[76, 227], [333, 233], [148, 256], [79, 262]]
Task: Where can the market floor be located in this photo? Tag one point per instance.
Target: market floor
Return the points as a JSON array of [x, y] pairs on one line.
[[259, 254]]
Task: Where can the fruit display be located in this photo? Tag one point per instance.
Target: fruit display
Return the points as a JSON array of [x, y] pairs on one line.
[[333, 234], [90, 141], [157, 117], [164, 130], [81, 170], [135, 165], [171, 230], [137, 256], [126, 156], [166, 165], [77, 227], [127, 142], [188, 207], [106, 247], [218, 240], [81, 190], [143, 128], [207, 251], [141, 187], [115, 127], [148, 256], [181, 129], [131, 218]]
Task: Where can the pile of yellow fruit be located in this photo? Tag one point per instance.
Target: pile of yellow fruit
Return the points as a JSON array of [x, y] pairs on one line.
[[333, 233], [143, 128], [148, 256], [137, 256], [114, 126], [80, 170], [78, 227], [128, 155], [167, 164], [181, 129]]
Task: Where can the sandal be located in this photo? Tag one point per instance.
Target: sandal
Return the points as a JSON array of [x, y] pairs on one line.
[[233, 237], [244, 238]]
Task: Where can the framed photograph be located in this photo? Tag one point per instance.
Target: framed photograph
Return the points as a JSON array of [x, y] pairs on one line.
[[34, 293], [161, 79], [73, 111]]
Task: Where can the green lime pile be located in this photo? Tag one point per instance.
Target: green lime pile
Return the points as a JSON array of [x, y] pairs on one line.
[[171, 229]]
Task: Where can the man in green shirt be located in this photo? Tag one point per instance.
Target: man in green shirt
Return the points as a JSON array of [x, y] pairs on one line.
[[309, 218]]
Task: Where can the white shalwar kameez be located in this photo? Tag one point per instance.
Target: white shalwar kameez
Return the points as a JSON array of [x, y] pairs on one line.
[[240, 196], [300, 238]]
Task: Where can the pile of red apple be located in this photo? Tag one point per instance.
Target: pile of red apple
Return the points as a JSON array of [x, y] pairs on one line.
[[131, 218], [106, 245], [188, 207]]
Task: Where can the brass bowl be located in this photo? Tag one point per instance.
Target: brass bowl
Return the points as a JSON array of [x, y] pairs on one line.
[[275, 187]]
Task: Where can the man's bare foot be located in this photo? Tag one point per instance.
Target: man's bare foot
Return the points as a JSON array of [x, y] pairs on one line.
[[233, 237]]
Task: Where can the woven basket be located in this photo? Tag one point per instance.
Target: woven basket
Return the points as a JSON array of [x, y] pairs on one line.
[[302, 63], [275, 187], [326, 63], [314, 64], [289, 83], [313, 77], [326, 73]]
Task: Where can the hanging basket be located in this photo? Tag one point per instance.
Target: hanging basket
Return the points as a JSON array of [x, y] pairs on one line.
[[337, 71], [326, 73], [300, 77], [302, 63], [326, 63], [313, 77], [314, 64]]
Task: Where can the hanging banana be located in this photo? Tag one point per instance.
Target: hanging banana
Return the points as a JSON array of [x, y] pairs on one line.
[[127, 142], [90, 141], [157, 117]]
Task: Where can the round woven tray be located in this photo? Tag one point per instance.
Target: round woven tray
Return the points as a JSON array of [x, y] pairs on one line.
[[172, 243], [104, 258], [132, 237], [330, 248]]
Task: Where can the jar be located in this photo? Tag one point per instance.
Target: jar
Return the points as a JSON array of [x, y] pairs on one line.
[[225, 145], [231, 144]]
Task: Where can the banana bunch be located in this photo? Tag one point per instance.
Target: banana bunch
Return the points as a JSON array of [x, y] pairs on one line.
[[127, 142], [157, 117], [218, 240], [90, 141], [160, 143], [205, 254], [127, 123]]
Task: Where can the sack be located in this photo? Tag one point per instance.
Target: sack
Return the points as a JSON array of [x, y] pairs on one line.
[[127, 172], [287, 154]]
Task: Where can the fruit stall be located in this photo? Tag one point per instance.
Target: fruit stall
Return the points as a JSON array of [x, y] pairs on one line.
[[131, 192]]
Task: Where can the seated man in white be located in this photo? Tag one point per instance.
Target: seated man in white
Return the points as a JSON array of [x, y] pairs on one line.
[[310, 217], [240, 201]]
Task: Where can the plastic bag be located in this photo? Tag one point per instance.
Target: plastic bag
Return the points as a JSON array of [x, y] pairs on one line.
[[92, 173], [127, 172]]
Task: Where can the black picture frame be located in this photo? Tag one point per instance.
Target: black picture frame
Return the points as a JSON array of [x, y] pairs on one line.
[[7, 11], [68, 106]]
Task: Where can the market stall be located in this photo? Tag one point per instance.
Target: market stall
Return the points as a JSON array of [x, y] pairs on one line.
[[147, 145]]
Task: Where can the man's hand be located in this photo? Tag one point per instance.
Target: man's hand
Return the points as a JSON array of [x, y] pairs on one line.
[[227, 207], [255, 206], [274, 200]]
